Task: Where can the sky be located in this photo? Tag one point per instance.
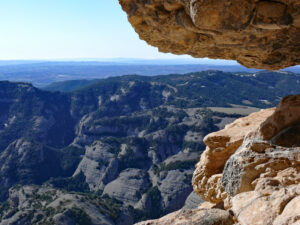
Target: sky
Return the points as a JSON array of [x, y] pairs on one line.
[[69, 29]]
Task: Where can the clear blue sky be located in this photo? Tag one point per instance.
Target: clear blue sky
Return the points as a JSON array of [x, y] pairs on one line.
[[64, 29]]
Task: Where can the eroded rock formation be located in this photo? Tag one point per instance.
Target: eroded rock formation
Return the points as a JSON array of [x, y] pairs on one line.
[[249, 173], [220, 146], [250, 170], [201, 216], [260, 34]]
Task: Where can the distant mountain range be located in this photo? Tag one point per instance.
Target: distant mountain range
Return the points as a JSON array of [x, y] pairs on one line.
[[216, 88], [42, 73], [117, 150], [132, 61]]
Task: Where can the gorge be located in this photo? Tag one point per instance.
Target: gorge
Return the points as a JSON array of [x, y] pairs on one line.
[[249, 172], [125, 150]]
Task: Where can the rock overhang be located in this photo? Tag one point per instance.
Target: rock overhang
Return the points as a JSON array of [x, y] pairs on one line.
[[258, 34]]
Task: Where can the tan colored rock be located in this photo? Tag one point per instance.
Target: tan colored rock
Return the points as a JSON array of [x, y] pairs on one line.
[[260, 34], [262, 176], [252, 169], [280, 126], [290, 214], [287, 114], [194, 217], [255, 157], [256, 162], [220, 146], [281, 207]]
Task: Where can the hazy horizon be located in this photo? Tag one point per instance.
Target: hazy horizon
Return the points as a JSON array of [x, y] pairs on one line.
[[71, 30], [187, 60]]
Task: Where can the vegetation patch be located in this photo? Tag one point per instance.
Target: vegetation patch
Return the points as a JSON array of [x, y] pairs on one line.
[[80, 217], [177, 165], [77, 183]]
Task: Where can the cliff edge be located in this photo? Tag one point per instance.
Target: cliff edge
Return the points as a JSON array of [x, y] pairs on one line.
[[249, 173]]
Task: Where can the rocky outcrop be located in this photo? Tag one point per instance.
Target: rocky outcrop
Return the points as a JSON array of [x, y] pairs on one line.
[[192, 201], [24, 160], [195, 216], [220, 146], [44, 205], [98, 165], [174, 192], [260, 34], [250, 170], [129, 186], [271, 206], [150, 168], [261, 164]]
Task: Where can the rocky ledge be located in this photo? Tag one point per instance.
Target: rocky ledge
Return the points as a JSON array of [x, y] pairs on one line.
[[249, 173], [256, 33]]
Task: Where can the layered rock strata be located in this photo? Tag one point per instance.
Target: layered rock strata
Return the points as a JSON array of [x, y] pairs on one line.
[[250, 171], [260, 34]]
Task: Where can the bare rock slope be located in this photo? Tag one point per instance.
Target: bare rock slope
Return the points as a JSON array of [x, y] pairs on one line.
[[250, 171], [44, 205], [260, 34]]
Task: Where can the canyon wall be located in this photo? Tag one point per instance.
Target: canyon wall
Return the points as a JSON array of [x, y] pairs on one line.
[[249, 173]]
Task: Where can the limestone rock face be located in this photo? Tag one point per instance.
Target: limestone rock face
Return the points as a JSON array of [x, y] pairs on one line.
[[251, 169], [260, 34], [268, 207], [27, 158], [128, 185], [285, 117], [253, 166], [220, 146], [192, 201], [92, 167], [194, 216], [259, 163]]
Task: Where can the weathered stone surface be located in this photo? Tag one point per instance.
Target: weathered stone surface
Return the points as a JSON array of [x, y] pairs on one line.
[[173, 191], [271, 207], [27, 158], [286, 116], [192, 201], [260, 34], [259, 162], [98, 162], [142, 175], [253, 166], [220, 146], [127, 188], [290, 214], [194, 217]]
